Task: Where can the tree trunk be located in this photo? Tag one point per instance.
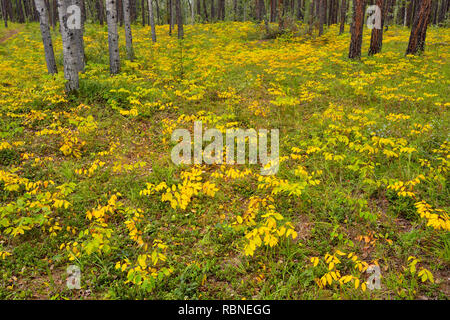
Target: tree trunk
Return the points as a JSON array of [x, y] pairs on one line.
[[179, 19], [143, 12], [205, 10], [152, 20], [169, 17], [21, 18], [4, 13], [101, 12], [46, 36], [344, 8], [158, 17], [69, 48], [419, 29], [119, 12], [213, 11], [322, 12], [113, 36], [357, 29], [79, 37], [443, 10], [127, 23], [376, 40]]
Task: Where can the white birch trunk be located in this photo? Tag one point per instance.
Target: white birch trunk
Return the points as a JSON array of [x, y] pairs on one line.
[[69, 48], [192, 11], [46, 36], [127, 23], [79, 38], [152, 19], [113, 36]]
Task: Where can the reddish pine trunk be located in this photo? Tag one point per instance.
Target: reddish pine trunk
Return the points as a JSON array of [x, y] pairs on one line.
[[419, 28], [357, 29]]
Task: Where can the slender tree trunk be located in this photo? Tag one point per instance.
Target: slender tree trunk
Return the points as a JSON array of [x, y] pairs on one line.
[[443, 10], [357, 29], [376, 40], [158, 18], [119, 12], [113, 36], [46, 36], [69, 48], [344, 8], [4, 13], [170, 13], [213, 11], [19, 9], [179, 19], [101, 12], [127, 23], [143, 12], [434, 11], [419, 29], [199, 8], [192, 11], [205, 10], [152, 20], [322, 12]]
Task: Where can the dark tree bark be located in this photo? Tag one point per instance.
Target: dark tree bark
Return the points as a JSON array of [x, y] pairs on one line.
[[300, 10], [357, 29], [221, 10], [4, 13], [199, 7], [273, 10], [344, 8], [20, 16], [419, 29], [443, 10], [101, 12], [205, 10], [170, 16], [158, 13], [143, 12], [322, 15], [213, 11], [376, 40], [179, 19]]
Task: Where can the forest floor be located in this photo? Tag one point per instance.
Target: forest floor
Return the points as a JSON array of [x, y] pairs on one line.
[[8, 33], [87, 179]]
